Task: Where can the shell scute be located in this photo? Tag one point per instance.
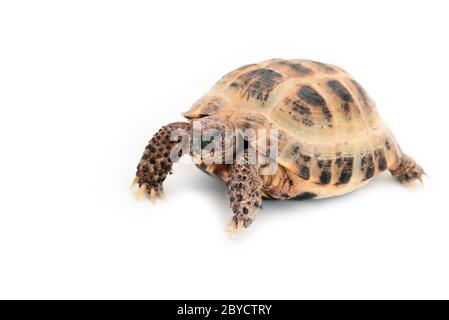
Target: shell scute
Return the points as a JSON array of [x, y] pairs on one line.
[[257, 84]]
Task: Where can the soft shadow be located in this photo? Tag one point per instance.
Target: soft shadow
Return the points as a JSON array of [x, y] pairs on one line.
[[305, 206], [189, 177]]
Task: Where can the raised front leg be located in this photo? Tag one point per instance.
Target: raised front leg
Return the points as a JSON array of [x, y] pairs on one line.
[[157, 160], [244, 184]]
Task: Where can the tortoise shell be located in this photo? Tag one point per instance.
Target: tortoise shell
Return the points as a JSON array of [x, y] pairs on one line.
[[331, 137]]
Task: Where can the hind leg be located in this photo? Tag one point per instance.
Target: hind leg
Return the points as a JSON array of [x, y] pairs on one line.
[[408, 171], [157, 160]]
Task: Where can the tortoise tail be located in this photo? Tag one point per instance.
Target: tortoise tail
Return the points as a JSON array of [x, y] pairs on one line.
[[408, 171]]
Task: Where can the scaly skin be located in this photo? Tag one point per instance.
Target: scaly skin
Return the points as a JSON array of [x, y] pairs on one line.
[[408, 171], [155, 163], [245, 192]]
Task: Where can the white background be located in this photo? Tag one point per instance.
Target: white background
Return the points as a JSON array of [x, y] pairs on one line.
[[85, 84]]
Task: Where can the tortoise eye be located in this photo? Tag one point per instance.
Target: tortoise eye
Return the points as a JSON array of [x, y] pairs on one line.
[[206, 142]]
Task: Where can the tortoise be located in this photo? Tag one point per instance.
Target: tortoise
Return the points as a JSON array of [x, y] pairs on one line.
[[330, 137]]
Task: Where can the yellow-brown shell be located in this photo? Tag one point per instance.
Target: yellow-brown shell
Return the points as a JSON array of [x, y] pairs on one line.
[[331, 137]]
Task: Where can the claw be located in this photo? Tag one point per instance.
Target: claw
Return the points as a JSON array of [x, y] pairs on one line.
[[410, 185], [421, 182], [141, 192], [234, 230], [133, 183], [153, 195]]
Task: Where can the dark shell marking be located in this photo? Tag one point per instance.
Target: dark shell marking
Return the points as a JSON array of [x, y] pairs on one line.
[[380, 158], [367, 166], [309, 95], [340, 90], [346, 165], [324, 67], [297, 67], [345, 177], [312, 97], [324, 164], [258, 83], [305, 158], [363, 95], [251, 120], [213, 105], [325, 175], [305, 196], [300, 111], [302, 161], [304, 172]]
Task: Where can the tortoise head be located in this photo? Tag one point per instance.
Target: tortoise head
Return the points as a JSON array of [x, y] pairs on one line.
[[212, 139]]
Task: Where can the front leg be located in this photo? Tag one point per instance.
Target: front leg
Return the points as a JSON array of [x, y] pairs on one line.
[[244, 184], [157, 160]]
